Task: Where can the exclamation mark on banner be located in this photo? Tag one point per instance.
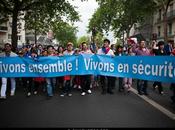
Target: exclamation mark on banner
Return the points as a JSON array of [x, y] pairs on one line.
[[76, 64]]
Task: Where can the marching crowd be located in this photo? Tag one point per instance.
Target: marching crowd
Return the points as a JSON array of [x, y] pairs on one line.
[[85, 82]]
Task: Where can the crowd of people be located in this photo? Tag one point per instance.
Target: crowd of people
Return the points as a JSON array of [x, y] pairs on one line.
[[85, 82]]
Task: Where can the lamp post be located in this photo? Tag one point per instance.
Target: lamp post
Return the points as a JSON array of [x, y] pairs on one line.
[[35, 29], [93, 34]]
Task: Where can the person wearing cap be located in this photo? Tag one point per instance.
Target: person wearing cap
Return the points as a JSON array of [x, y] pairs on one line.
[[7, 53], [105, 80], [159, 52], [69, 50]]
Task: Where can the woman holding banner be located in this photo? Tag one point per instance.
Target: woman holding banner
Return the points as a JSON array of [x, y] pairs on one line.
[[159, 52], [86, 78]]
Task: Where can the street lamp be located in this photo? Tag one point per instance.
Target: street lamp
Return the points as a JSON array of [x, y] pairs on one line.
[[93, 34]]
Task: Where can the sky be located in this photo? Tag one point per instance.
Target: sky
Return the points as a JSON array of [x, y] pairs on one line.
[[85, 9]]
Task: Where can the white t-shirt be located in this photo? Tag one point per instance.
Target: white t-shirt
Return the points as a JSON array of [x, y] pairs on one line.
[[86, 52], [110, 53], [68, 53]]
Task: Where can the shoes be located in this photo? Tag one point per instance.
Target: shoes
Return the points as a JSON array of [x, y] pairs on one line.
[[62, 95], [156, 86], [103, 92], [140, 93], [70, 95], [126, 86], [75, 86], [89, 92], [79, 87], [83, 94], [3, 97], [146, 94], [28, 94], [49, 97], [121, 90], [91, 86], [110, 92], [35, 93], [12, 93], [162, 93], [173, 99]]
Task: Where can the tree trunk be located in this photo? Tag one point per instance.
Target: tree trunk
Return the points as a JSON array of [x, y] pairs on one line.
[[14, 29], [165, 27]]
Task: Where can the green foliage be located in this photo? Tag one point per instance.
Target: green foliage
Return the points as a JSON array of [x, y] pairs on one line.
[[39, 14], [83, 39], [120, 15], [65, 33]]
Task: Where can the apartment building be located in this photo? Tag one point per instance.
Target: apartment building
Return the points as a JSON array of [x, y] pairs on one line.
[[158, 25], [6, 32]]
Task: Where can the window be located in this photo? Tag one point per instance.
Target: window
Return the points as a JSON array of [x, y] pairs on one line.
[[170, 29], [171, 9], [159, 31], [160, 14], [19, 38], [9, 36]]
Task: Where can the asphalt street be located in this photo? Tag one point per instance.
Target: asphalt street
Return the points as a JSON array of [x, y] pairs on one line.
[[91, 111]]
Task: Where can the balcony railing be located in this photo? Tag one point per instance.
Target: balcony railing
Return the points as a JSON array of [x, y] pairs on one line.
[[171, 14], [3, 28]]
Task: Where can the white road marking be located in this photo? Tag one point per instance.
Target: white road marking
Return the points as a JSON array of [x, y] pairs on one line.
[[156, 105]]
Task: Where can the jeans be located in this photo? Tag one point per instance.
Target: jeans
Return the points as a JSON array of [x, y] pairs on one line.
[[4, 86], [142, 86], [50, 83], [106, 83]]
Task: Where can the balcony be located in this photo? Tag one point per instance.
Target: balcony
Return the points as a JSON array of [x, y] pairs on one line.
[[3, 29], [171, 15]]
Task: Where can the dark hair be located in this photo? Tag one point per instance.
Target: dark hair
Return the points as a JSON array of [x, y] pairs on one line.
[[161, 43], [107, 40], [83, 43], [7, 44], [58, 50], [49, 47]]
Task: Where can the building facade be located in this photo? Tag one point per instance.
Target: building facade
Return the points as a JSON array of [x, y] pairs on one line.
[[6, 32], [158, 24], [153, 28]]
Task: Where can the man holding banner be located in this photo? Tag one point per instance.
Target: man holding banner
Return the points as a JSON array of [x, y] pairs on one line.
[[105, 80], [141, 50], [8, 53]]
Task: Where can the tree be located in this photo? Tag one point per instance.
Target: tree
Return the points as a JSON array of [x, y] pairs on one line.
[[83, 39], [120, 15], [65, 33], [45, 11]]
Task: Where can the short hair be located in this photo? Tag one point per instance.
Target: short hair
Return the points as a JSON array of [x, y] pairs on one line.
[[161, 43], [107, 40], [7, 44], [49, 47]]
